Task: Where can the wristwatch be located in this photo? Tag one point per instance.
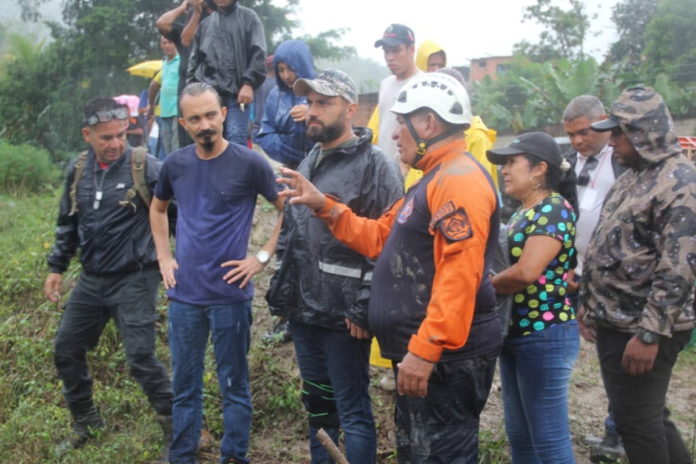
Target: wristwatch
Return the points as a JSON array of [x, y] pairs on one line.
[[647, 337], [263, 256]]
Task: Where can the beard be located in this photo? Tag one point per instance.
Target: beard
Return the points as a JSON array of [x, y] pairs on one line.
[[323, 133], [208, 142]]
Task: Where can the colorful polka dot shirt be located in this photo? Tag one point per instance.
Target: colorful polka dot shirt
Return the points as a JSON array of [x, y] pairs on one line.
[[545, 302]]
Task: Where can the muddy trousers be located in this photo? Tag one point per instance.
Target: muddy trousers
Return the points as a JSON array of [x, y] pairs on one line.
[[639, 401], [130, 300], [443, 427]]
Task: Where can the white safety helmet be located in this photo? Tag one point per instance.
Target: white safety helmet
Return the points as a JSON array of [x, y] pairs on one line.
[[441, 93]]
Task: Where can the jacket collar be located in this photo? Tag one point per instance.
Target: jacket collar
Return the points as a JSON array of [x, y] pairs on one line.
[[440, 154]]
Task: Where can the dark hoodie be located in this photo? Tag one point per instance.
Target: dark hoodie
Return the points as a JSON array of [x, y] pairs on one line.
[[280, 136], [640, 266]]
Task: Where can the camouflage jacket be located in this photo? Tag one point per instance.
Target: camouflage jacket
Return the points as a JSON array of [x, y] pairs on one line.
[[641, 262]]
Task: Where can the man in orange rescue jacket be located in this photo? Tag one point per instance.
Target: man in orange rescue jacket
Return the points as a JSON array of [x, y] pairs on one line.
[[432, 306]]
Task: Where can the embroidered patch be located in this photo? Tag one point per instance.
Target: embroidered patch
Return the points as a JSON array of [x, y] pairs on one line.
[[405, 212], [456, 226], [444, 211]]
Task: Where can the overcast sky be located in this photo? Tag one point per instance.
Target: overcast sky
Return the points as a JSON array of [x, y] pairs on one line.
[[465, 29]]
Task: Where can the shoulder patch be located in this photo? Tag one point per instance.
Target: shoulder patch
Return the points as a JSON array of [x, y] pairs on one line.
[[452, 222]]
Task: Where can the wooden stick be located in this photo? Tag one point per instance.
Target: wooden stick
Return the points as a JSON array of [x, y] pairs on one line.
[[331, 447]]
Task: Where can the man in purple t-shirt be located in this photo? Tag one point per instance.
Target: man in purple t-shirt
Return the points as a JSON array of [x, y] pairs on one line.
[[208, 283]]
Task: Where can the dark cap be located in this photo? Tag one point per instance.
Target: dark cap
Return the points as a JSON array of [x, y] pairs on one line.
[[331, 83], [396, 34], [537, 144], [605, 124]]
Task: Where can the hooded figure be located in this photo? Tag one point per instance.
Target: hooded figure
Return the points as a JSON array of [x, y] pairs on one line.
[[639, 273], [280, 136], [425, 51]]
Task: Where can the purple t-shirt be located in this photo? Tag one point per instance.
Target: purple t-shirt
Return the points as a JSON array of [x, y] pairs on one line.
[[216, 200]]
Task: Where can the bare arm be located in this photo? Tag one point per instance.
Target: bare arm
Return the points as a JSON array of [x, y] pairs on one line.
[[165, 22], [538, 252], [160, 233], [245, 269], [189, 31]]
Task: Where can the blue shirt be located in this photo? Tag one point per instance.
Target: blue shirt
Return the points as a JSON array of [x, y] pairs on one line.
[[216, 200]]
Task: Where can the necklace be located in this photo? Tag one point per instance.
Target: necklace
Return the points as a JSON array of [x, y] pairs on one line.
[[99, 191]]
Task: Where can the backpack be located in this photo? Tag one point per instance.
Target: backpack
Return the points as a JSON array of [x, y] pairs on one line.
[[138, 162]]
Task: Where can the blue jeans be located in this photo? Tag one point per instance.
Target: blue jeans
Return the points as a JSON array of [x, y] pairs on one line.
[[189, 327], [333, 358], [535, 372], [168, 133], [237, 124]]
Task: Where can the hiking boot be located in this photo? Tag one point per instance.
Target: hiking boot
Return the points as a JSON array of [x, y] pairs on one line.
[[165, 423], [610, 449], [280, 334], [85, 425]]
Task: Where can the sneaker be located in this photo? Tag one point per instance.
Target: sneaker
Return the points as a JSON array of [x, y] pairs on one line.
[[610, 449], [387, 382], [280, 334]]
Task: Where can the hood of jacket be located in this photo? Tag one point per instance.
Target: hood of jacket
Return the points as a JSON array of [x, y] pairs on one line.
[[643, 115], [296, 54], [424, 51]]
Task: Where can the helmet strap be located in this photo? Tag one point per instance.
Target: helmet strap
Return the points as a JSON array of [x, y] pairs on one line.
[[423, 144]]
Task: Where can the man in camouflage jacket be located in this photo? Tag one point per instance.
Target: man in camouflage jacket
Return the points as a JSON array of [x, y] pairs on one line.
[[640, 272]]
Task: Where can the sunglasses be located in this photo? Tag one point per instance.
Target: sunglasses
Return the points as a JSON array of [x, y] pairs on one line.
[[106, 116]]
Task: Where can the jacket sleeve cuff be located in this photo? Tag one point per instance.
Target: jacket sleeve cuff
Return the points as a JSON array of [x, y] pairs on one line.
[[56, 270], [422, 349], [325, 211]]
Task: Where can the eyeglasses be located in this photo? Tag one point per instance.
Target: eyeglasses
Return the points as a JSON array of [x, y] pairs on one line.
[[106, 116]]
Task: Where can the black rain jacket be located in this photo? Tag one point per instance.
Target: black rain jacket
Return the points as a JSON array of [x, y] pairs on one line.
[[115, 237], [228, 51], [320, 281]]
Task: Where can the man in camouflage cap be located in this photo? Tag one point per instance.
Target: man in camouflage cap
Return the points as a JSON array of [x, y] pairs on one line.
[[640, 271]]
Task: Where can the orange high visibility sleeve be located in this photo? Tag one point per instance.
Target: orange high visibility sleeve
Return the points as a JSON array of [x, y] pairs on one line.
[[461, 202], [364, 235]]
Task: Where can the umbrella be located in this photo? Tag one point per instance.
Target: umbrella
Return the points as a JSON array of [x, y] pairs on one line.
[[146, 68]]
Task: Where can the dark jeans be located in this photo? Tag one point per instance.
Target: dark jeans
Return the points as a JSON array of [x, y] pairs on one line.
[[189, 329], [443, 427], [332, 357], [130, 299], [639, 401]]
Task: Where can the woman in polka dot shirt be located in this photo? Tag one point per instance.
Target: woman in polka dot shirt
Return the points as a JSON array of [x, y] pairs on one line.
[[543, 341]]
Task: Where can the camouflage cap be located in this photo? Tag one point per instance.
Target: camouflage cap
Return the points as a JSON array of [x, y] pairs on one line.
[[331, 83], [643, 115]]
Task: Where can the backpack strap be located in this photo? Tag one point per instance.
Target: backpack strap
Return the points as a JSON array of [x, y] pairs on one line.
[[138, 168], [77, 175]]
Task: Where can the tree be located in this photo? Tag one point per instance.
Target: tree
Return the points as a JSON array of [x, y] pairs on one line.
[[670, 41], [631, 18], [564, 34]]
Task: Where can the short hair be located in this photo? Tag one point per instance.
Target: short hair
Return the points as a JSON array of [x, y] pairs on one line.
[[101, 103], [195, 89], [453, 72], [588, 106]]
